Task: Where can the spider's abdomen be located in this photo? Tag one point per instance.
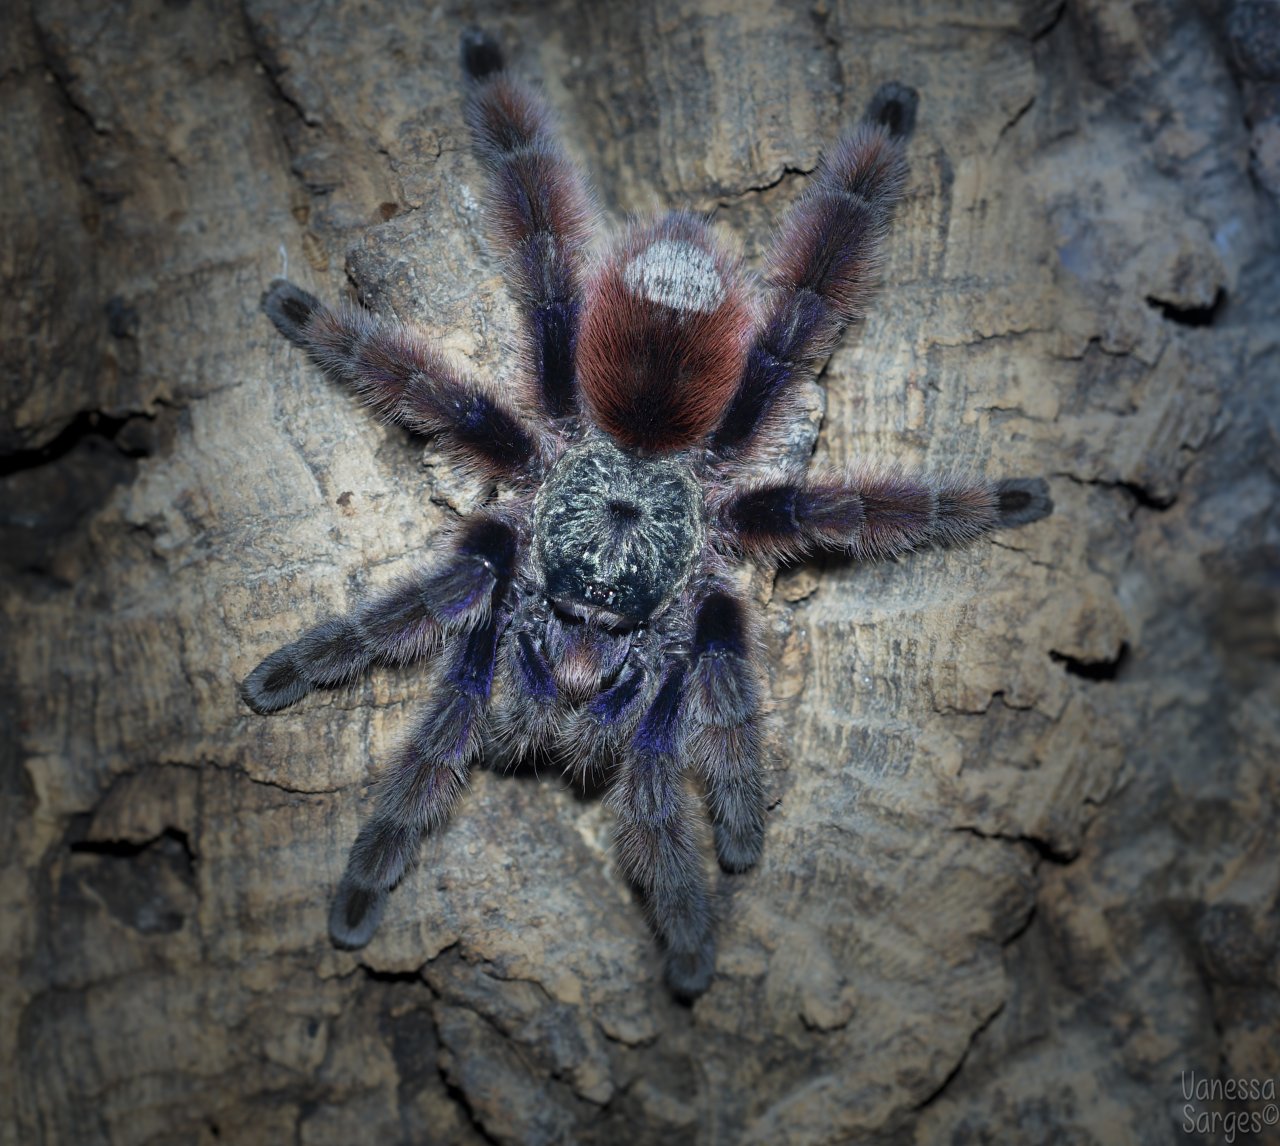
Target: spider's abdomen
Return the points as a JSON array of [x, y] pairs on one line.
[[615, 535], [664, 335]]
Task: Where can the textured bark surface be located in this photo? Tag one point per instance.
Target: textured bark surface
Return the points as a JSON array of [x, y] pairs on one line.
[[1022, 866]]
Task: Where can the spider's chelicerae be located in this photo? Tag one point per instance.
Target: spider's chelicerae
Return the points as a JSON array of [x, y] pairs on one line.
[[591, 611]]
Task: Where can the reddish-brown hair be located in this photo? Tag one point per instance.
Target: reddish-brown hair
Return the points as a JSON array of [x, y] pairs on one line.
[[664, 335]]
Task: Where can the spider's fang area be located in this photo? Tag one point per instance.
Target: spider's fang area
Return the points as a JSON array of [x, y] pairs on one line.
[[609, 707], [1022, 501]]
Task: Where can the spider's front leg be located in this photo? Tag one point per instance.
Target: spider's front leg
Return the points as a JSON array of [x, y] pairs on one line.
[[419, 790], [656, 838], [723, 712], [401, 625]]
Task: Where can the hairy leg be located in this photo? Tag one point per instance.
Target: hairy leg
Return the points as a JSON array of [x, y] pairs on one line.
[[401, 625], [875, 514], [657, 843], [539, 215], [397, 372], [822, 266], [722, 711], [420, 788]]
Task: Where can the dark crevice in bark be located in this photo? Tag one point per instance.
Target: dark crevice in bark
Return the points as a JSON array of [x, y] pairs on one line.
[[1051, 24], [1044, 850], [1140, 493], [376, 976], [86, 424], [1189, 315], [954, 1073], [1107, 668], [128, 849]]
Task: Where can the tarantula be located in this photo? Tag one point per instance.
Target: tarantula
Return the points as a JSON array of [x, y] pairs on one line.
[[589, 611]]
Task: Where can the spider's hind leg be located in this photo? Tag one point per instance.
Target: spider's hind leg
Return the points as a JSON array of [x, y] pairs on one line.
[[822, 266], [540, 215]]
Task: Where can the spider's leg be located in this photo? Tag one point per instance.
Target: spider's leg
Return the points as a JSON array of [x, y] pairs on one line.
[[403, 624], [723, 712], [396, 370], [822, 266], [656, 838], [539, 215], [876, 514], [420, 788]]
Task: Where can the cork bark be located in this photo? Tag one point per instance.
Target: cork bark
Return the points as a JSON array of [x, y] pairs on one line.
[[1021, 867]]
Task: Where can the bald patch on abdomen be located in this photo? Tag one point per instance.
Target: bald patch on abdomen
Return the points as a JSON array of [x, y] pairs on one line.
[[677, 274]]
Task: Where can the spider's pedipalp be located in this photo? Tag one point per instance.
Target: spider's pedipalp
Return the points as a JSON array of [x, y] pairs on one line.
[[597, 731], [723, 701], [874, 514], [664, 334], [402, 624], [397, 372], [528, 711], [822, 267], [540, 216], [656, 840], [583, 657], [421, 787]]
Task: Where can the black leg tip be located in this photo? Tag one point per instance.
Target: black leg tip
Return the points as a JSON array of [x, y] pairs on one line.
[[1022, 501], [290, 308], [689, 972], [738, 854], [275, 684], [355, 915], [894, 107], [481, 56]]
